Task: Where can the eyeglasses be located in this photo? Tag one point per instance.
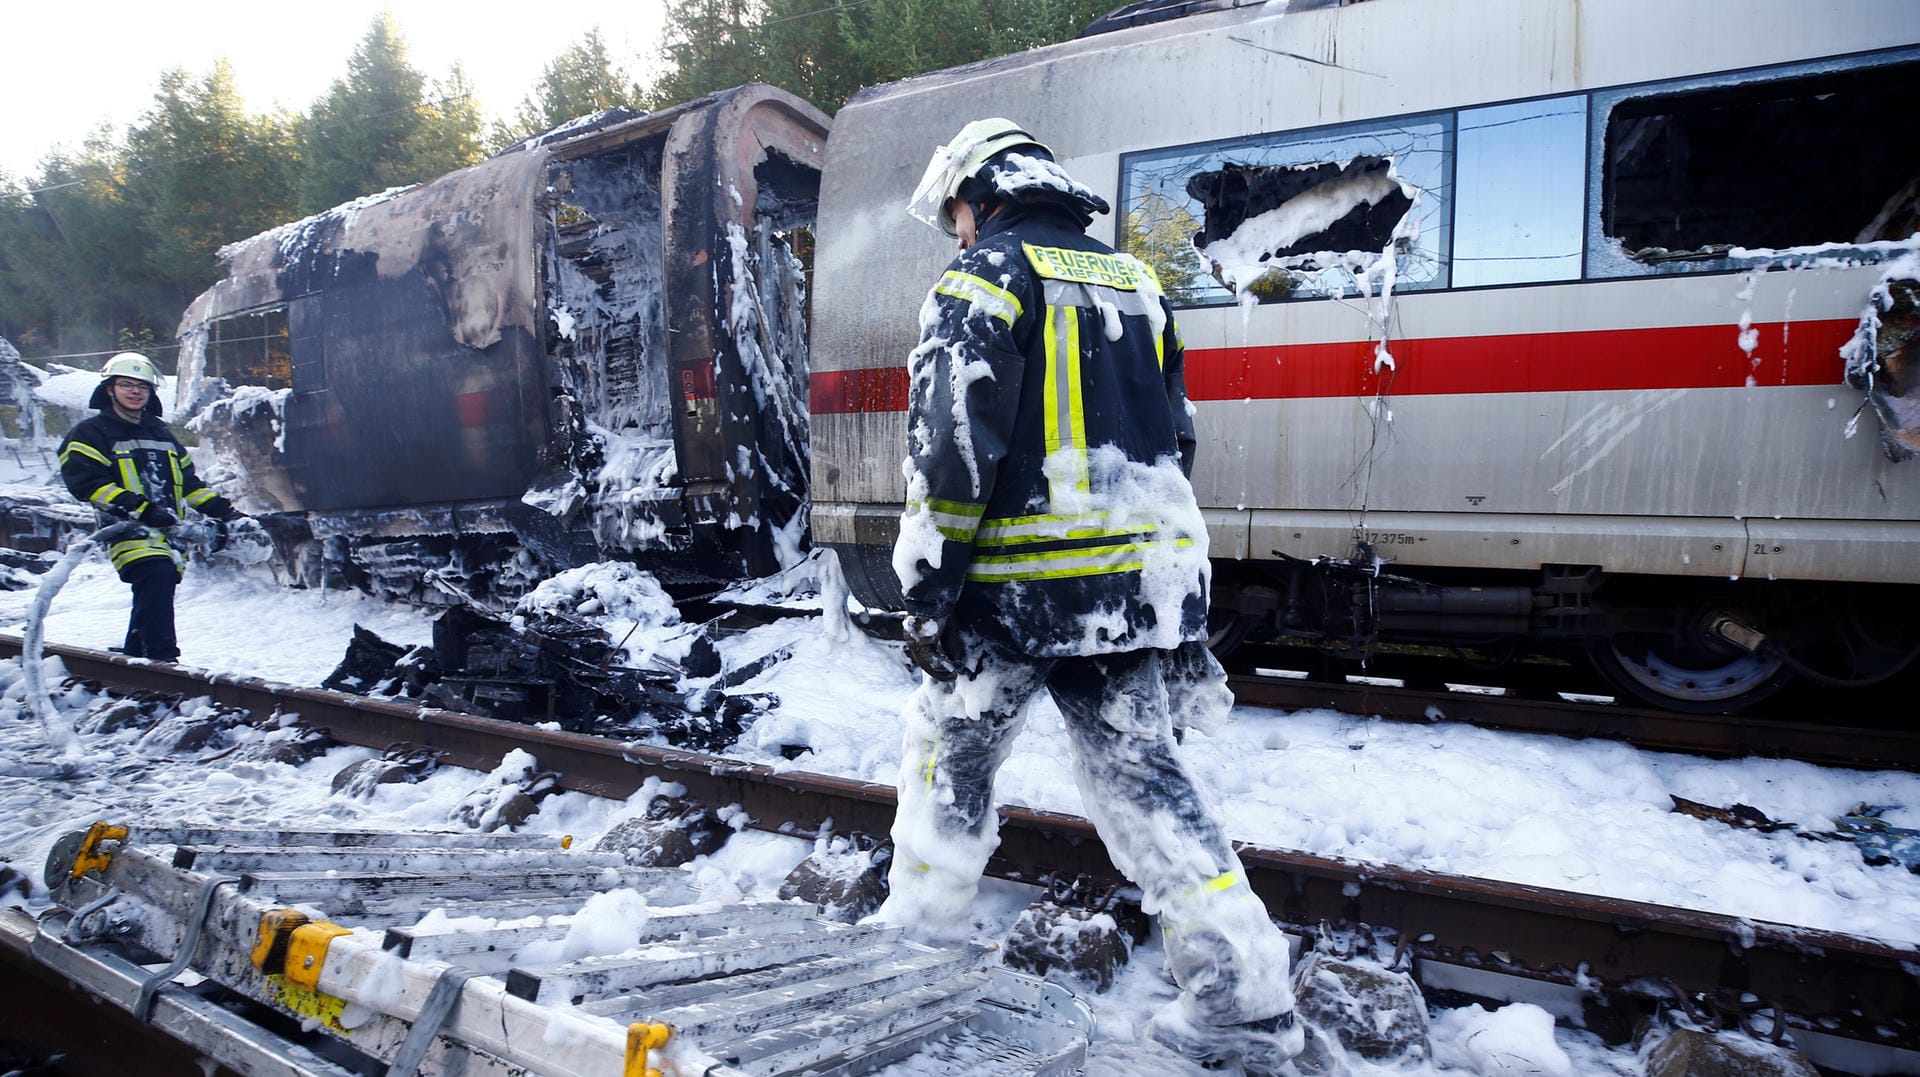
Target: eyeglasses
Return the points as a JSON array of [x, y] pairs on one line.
[[127, 384]]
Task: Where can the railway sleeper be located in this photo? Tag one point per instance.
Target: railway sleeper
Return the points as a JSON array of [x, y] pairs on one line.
[[359, 984]]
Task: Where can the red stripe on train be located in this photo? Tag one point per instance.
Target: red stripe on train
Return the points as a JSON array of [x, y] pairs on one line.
[[1682, 357]]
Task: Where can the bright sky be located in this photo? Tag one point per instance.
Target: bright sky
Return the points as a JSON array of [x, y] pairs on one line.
[[64, 71]]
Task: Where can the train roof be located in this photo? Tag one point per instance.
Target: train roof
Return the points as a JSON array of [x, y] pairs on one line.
[[471, 228]]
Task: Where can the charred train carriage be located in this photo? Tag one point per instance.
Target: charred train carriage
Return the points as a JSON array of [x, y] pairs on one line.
[[1510, 324], [592, 344], [1592, 393]]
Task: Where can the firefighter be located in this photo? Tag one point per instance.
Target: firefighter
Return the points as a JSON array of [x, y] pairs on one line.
[[1051, 540], [128, 465]]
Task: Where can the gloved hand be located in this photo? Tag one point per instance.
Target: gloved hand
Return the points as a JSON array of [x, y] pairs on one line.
[[220, 532], [927, 648], [156, 517]]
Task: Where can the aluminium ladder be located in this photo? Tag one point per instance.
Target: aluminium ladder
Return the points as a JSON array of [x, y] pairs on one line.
[[456, 954]]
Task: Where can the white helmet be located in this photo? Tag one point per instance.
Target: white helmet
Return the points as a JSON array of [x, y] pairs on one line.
[[131, 365], [970, 150]]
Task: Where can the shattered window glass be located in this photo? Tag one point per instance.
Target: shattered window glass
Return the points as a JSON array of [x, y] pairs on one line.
[[251, 349], [1520, 183], [1294, 214], [1795, 159]]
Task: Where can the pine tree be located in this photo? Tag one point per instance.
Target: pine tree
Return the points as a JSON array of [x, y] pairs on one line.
[[582, 80], [378, 127], [203, 173], [710, 45]]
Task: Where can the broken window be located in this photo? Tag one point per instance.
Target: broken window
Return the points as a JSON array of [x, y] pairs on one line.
[[1814, 157], [251, 349], [1295, 214]]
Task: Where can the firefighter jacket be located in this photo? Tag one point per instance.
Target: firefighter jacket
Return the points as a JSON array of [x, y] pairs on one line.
[[1048, 447], [120, 467]]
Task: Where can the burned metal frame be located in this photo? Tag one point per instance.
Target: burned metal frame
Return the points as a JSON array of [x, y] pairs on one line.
[[424, 377]]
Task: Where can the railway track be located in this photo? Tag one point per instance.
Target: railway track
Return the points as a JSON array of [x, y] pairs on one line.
[[1824, 743], [1842, 985]]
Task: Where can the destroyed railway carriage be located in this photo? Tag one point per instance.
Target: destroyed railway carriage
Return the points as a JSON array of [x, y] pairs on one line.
[[1520, 323], [591, 346]]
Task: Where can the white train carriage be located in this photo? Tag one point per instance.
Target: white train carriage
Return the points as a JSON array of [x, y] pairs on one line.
[[1524, 319]]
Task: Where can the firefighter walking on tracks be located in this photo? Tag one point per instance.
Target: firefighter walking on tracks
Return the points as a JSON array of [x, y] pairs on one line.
[[1051, 540], [128, 465]]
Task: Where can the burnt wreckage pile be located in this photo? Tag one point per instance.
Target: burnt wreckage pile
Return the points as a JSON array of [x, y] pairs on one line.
[[550, 667]]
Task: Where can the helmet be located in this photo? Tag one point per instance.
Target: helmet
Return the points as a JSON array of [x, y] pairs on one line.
[[975, 145], [131, 365]]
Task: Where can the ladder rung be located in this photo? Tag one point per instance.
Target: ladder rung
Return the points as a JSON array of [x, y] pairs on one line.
[[751, 1012], [603, 977], [800, 1046]]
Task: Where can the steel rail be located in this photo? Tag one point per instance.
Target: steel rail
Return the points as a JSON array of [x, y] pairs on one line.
[[1844, 985], [1694, 734]]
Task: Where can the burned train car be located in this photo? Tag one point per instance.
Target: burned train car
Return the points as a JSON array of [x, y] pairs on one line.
[[1511, 324], [590, 346]]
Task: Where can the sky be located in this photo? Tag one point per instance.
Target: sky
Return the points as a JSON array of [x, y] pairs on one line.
[[62, 81]]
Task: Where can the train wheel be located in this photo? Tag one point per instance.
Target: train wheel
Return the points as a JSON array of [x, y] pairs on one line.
[[1694, 675], [1226, 631]]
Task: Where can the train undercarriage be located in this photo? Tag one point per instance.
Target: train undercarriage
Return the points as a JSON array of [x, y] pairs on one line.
[[1694, 646]]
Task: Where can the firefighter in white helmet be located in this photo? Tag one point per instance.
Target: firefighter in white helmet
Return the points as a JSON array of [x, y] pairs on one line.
[[128, 465], [1051, 540]]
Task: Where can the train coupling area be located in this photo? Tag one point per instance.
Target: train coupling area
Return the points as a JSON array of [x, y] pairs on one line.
[[327, 953]]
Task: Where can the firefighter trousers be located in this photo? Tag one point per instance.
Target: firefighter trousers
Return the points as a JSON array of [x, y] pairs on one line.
[[150, 631], [1226, 955]]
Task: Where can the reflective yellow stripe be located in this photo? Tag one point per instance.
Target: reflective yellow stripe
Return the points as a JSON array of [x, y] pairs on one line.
[[1062, 564], [986, 297], [960, 510], [1054, 532], [956, 520], [130, 476], [86, 450], [125, 553], [107, 493], [1066, 420], [179, 481], [201, 496], [1221, 882]]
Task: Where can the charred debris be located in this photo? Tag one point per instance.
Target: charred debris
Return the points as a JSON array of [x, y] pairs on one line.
[[564, 672]]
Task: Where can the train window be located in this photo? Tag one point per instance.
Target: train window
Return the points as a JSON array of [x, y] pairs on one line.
[[1520, 180], [251, 349], [1710, 173], [1291, 215]]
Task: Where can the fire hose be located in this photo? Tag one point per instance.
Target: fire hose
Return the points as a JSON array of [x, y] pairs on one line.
[[196, 538]]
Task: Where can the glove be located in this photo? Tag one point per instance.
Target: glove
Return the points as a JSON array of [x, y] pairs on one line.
[[927, 647], [220, 534], [158, 518]]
